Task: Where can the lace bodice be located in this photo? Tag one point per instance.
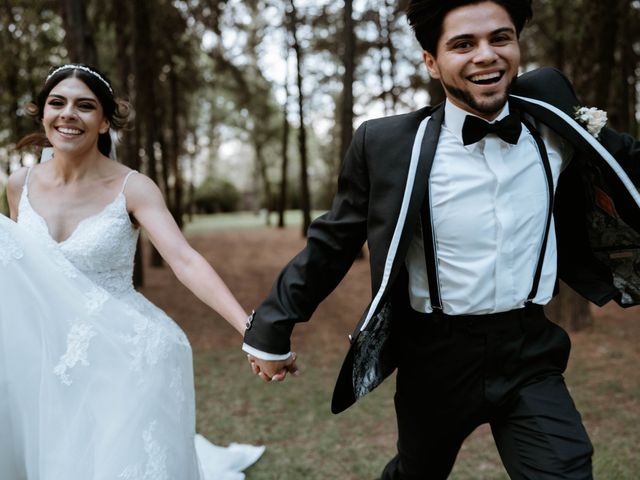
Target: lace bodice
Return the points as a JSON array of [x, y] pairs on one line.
[[102, 246]]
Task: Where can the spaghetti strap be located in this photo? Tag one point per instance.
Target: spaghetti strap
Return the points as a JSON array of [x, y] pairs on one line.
[[25, 186], [126, 179]]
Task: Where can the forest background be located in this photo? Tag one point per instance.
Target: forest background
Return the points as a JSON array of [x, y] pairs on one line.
[[249, 106]]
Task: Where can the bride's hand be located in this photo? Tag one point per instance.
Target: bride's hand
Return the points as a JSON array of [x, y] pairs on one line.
[[274, 370]]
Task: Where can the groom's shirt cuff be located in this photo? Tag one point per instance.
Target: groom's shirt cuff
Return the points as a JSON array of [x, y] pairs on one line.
[[264, 355]]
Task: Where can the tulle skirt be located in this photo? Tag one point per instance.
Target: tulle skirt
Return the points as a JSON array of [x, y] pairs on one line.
[[94, 387]]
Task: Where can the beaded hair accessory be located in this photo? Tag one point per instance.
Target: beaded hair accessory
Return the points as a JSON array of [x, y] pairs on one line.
[[71, 66]]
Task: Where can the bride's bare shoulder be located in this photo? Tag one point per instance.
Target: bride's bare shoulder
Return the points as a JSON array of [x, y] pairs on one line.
[[15, 184], [139, 182], [16, 181], [140, 189], [18, 177]]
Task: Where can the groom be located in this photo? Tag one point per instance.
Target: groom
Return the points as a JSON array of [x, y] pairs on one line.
[[471, 210]]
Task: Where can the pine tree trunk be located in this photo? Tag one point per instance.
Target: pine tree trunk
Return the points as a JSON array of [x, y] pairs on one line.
[[305, 197], [176, 206], [348, 61], [128, 148], [261, 166], [570, 310], [78, 38], [282, 200], [145, 93], [605, 49]]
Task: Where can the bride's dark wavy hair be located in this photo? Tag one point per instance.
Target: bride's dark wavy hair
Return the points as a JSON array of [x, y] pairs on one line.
[[427, 16], [117, 111]]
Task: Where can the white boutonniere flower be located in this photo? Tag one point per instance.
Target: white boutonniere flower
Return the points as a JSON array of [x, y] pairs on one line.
[[592, 119]]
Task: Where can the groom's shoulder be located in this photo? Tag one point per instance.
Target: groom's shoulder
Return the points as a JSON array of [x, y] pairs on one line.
[[543, 74], [547, 84]]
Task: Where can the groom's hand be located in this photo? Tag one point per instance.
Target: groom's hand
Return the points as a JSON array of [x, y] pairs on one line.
[[274, 370]]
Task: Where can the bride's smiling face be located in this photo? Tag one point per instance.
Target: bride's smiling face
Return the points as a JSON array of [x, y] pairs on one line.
[[73, 117]]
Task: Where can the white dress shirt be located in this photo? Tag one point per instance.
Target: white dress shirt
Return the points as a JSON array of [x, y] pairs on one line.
[[489, 205]]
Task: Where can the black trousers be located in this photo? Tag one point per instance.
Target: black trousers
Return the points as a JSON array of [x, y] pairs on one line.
[[458, 372]]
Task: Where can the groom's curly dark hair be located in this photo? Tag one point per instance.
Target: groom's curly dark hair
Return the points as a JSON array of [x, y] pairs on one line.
[[427, 16]]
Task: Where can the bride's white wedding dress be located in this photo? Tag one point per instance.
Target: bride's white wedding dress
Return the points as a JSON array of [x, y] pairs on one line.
[[95, 381]]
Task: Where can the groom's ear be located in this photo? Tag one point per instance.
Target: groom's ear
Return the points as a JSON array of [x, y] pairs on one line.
[[432, 65]]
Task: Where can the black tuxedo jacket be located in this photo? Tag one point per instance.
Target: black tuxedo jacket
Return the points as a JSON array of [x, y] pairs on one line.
[[381, 189]]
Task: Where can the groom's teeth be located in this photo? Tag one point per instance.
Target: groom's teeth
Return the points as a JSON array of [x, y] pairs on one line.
[[487, 76]]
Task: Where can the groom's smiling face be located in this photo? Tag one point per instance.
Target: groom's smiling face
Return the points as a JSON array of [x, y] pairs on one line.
[[477, 57]]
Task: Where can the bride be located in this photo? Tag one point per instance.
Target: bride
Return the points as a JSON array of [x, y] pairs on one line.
[[95, 381]]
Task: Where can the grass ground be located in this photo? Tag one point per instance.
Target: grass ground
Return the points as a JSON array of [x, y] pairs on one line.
[[304, 440]]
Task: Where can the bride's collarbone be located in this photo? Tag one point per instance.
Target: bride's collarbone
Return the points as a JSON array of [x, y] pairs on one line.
[[63, 213]]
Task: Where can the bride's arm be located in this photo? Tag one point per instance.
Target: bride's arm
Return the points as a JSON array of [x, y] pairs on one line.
[[146, 204]]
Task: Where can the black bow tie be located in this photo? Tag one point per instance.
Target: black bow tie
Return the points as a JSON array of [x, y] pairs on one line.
[[475, 129]]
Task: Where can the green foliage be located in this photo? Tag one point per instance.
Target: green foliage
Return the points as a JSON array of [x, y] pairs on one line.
[[216, 195], [30, 42]]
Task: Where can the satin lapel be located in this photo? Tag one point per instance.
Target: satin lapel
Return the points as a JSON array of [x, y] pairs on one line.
[[552, 120], [572, 131], [420, 185], [412, 192]]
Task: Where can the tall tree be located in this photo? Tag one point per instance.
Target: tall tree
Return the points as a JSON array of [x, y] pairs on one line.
[[624, 92], [145, 86], [305, 197], [569, 309], [349, 65], [123, 68], [79, 37], [129, 146], [176, 150], [385, 17], [604, 22], [284, 170]]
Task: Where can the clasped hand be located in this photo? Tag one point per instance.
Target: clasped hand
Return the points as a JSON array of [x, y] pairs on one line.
[[273, 370]]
